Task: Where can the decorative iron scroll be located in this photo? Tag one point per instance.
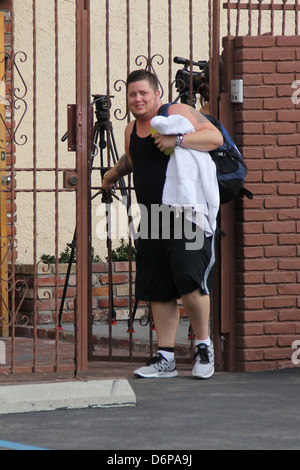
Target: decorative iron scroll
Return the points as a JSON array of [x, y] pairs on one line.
[[146, 63], [16, 100], [18, 289]]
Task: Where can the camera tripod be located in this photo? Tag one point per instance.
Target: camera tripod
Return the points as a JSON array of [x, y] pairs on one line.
[[103, 134]]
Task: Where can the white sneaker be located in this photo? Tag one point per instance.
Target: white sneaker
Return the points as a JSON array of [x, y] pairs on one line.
[[157, 367], [204, 361]]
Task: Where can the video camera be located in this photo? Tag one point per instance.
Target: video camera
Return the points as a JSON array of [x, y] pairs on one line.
[[101, 103], [183, 78]]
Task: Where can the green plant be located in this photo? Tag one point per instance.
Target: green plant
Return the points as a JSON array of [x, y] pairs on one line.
[[49, 258], [65, 256], [122, 252]]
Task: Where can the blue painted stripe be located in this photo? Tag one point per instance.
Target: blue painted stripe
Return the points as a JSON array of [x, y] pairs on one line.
[[16, 446]]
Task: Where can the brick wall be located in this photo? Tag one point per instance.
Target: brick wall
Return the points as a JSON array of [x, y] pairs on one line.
[[46, 295], [268, 227]]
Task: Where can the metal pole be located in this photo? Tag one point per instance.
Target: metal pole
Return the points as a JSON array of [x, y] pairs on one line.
[[83, 232], [215, 61]]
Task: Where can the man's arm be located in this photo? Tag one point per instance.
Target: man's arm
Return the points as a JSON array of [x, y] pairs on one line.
[[122, 168], [206, 136]]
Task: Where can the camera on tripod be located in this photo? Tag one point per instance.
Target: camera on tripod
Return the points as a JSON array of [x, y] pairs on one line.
[[102, 104], [183, 79]]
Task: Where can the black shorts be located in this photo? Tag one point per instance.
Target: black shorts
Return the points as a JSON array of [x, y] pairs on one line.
[[167, 268]]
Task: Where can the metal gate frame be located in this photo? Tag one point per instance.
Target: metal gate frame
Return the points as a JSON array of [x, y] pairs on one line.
[[83, 152]]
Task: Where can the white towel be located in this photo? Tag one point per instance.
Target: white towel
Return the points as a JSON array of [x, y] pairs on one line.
[[191, 179]]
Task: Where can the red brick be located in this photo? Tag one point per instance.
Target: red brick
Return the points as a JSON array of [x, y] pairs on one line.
[[278, 353], [256, 139], [250, 329], [259, 215], [289, 289], [259, 290], [287, 41], [261, 240], [284, 90], [260, 264], [248, 54], [251, 67], [286, 67], [100, 267], [258, 366], [280, 277], [250, 304], [280, 152], [250, 252], [289, 315], [279, 302], [289, 239], [262, 164], [259, 341], [280, 202], [273, 176], [289, 214], [123, 266], [289, 188], [290, 116], [256, 116], [279, 328], [116, 278], [251, 355], [263, 91], [249, 128], [250, 103], [255, 41], [276, 54], [280, 251], [279, 227], [278, 103], [254, 176], [288, 339], [280, 128], [253, 79], [252, 152], [252, 278]]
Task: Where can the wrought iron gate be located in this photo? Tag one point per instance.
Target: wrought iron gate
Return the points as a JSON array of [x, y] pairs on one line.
[[44, 183]]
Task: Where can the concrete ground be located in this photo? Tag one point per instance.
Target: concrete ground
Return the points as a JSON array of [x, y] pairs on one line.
[[229, 411]]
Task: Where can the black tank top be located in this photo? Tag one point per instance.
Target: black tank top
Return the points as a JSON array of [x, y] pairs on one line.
[[149, 169]]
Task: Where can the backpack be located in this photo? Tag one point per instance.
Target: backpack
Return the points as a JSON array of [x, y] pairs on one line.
[[231, 168]]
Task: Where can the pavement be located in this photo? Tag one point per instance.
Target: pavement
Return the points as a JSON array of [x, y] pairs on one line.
[[106, 408]]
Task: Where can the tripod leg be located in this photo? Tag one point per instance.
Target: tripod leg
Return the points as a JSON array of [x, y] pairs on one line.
[[130, 323], [66, 281]]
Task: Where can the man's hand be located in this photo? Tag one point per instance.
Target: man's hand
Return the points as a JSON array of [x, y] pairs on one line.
[[164, 142], [108, 182]]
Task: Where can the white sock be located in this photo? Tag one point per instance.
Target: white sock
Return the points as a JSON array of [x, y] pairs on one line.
[[205, 341], [169, 356]]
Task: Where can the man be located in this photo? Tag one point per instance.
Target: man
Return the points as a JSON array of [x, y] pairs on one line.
[[165, 269]]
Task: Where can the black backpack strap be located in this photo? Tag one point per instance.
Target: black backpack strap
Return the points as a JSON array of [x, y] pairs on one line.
[[246, 192], [164, 109]]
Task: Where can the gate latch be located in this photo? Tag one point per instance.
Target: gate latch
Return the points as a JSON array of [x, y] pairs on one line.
[[70, 179]]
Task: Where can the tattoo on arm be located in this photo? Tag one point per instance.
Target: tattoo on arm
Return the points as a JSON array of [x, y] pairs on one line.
[[200, 118], [124, 166]]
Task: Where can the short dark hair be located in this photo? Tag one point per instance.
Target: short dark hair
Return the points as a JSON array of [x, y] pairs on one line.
[[141, 74]]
